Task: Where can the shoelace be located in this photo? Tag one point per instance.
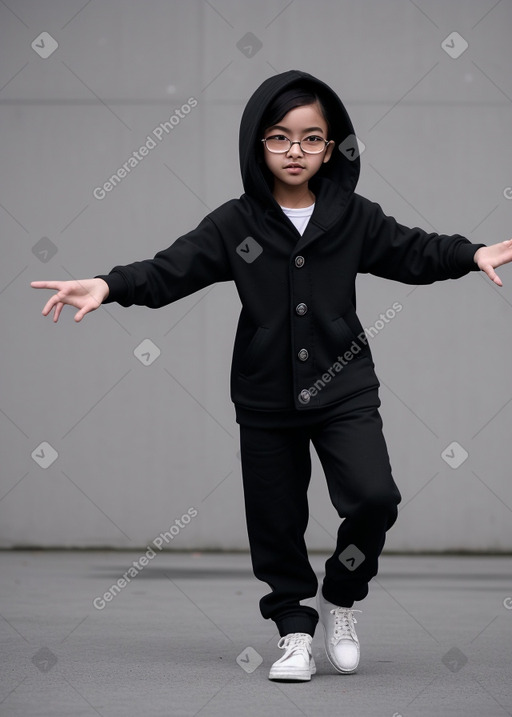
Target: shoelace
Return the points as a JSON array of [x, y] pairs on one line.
[[298, 641], [344, 624]]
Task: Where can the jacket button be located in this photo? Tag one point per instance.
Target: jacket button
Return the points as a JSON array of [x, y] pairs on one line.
[[304, 396], [301, 309], [303, 354], [299, 262]]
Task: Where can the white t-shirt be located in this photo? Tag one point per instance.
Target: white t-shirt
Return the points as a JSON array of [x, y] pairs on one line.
[[300, 217]]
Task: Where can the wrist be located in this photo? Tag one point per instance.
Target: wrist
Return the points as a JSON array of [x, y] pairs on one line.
[[105, 289], [478, 254]]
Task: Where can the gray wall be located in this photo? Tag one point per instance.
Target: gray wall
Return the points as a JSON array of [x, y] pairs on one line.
[[139, 445]]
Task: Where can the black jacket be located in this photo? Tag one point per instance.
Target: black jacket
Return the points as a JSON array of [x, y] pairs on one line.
[[297, 292]]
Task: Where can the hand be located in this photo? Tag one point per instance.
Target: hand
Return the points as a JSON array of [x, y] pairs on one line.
[[83, 294], [489, 257]]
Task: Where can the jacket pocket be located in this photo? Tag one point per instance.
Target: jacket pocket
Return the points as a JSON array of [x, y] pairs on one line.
[[347, 340], [252, 356]]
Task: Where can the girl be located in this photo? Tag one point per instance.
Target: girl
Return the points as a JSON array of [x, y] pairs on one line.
[[302, 371]]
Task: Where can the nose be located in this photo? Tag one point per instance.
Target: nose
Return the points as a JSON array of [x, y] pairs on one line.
[[295, 152]]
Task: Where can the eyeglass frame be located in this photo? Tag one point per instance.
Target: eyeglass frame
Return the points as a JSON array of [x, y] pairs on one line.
[[297, 141]]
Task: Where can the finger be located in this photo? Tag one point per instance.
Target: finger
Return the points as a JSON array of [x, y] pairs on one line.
[[83, 311], [46, 284], [492, 275], [58, 309], [50, 304]]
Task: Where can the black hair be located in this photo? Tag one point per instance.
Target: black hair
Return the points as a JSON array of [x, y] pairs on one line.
[[298, 96]]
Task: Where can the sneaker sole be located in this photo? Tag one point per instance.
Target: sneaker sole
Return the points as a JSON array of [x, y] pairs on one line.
[[287, 675]]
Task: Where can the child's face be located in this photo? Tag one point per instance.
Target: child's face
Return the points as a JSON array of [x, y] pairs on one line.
[[296, 125]]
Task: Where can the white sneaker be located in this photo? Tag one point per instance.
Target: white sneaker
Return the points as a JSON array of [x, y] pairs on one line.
[[341, 643], [297, 663]]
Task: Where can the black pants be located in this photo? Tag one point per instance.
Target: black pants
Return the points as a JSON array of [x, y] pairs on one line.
[[276, 469]]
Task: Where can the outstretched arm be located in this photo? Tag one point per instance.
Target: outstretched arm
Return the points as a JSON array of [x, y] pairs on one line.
[[490, 257], [84, 294], [192, 262], [413, 256]]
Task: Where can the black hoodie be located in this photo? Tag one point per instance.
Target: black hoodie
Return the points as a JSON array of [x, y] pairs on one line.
[[299, 344]]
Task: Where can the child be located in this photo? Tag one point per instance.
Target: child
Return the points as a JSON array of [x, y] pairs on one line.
[[302, 370]]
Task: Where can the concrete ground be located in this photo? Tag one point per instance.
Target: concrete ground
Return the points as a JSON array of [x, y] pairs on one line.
[[183, 636]]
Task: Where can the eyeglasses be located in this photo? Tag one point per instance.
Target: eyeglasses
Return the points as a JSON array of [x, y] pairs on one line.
[[279, 144]]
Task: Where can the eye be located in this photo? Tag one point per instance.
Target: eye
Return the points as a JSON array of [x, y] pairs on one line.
[[313, 139], [278, 138]]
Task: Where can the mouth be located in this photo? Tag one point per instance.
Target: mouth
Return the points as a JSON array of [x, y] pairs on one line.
[[294, 168]]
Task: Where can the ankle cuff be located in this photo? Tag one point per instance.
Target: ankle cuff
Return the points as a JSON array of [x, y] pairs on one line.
[[296, 623]]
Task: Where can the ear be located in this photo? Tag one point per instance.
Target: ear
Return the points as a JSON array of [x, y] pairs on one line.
[[329, 151]]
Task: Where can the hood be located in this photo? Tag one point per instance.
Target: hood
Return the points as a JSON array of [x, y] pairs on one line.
[[335, 182]]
